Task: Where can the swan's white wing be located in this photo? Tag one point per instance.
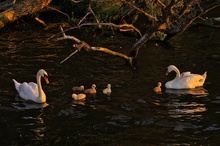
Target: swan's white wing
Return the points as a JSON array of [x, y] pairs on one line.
[[28, 91], [189, 81], [185, 74], [34, 88], [182, 83], [17, 84], [197, 80]]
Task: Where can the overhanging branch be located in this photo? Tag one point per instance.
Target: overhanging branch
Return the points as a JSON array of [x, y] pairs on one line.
[[82, 45]]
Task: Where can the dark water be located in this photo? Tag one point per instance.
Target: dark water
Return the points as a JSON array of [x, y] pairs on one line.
[[132, 115]]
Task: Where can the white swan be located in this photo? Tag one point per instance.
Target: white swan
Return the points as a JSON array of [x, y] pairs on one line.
[[186, 80], [32, 91], [107, 90]]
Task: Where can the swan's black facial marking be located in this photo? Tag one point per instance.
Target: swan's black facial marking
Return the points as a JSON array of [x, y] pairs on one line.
[[46, 78], [44, 75]]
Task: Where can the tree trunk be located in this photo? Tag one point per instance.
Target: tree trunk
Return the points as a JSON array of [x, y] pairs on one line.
[[172, 23], [21, 8]]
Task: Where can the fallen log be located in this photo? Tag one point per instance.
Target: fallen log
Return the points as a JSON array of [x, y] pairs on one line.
[[21, 8]]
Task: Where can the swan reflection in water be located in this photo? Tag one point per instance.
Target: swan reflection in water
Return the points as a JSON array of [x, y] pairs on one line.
[[183, 109], [198, 92], [179, 107], [26, 105], [32, 121]]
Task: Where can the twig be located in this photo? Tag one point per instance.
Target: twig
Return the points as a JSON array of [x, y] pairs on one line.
[[185, 9], [67, 37], [75, 1], [106, 50], [148, 15], [69, 56], [59, 11], [61, 28], [162, 4], [96, 18], [40, 21], [147, 36], [84, 18], [122, 27]]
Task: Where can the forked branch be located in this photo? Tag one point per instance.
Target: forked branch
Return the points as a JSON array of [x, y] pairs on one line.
[[82, 45]]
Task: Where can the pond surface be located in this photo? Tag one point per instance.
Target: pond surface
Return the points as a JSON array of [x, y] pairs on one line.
[[133, 114]]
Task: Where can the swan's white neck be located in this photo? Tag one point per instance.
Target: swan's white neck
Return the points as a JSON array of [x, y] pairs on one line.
[[177, 75], [41, 95]]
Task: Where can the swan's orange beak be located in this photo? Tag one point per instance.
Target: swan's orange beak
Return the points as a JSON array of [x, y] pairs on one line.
[[46, 79], [167, 72]]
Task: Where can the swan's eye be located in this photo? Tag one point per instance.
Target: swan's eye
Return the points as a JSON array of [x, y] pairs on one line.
[[45, 76]]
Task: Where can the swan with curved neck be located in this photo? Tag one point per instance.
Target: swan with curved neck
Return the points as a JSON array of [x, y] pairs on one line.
[[186, 80], [32, 91]]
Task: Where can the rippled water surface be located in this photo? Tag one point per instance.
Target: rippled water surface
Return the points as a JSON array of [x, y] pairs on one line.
[[133, 114]]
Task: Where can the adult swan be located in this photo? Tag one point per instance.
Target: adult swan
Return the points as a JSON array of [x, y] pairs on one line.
[[186, 80], [32, 91]]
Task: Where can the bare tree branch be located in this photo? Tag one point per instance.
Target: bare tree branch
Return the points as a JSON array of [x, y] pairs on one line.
[[174, 18], [69, 56], [83, 18], [161, 3], [40, 21], [54, 9], [83, 45], [96, 18], [122, 27], [21, 8]]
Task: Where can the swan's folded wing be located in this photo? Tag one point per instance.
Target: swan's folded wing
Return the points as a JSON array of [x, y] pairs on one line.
[[34, 88], [193, 81], [185, 74], [182, 83], [28, 91], [198, 80]]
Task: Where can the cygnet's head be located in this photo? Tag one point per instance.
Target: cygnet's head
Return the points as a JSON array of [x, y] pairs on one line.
[[93, 86], [74, 95], [159, 84], [82, 87]]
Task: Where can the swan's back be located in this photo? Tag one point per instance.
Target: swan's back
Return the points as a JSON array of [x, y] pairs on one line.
[[188, 82], [198, 79]]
